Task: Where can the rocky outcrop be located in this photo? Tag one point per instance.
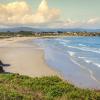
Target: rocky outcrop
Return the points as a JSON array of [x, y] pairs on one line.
[[1, 67]]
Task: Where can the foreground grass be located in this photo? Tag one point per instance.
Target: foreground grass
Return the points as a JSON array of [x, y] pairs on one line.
[[17, 87]]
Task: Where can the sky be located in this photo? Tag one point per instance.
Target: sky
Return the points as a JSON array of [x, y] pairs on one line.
[[50, 13]]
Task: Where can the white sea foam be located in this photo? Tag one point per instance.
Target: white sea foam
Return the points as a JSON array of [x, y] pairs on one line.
[[71, 53], [98, 65], [86, 49], [81, 57], [87, 61], [66, 41], [82, 45], [90, 71], [92, 75], [63, 43]]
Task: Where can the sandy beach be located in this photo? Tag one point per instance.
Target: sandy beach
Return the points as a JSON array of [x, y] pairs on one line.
[[27, 58], [23, 58]]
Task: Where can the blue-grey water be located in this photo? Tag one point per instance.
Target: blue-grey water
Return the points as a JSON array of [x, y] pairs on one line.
[[77, 59]]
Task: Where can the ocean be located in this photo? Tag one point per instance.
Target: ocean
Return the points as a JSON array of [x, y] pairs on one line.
[[76, 59]]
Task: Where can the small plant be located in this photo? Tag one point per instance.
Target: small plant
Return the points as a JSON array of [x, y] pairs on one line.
[[18, 87]]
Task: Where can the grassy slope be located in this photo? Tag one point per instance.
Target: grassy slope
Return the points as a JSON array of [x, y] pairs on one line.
[[16, 87]]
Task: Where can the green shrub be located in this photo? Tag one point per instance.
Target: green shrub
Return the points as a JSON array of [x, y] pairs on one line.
[[18, 87]]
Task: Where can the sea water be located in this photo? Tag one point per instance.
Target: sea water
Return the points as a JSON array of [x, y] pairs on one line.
[[77, 59]]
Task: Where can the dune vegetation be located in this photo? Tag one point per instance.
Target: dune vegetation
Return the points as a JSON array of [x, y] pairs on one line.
[[18, 87], [45, 34]]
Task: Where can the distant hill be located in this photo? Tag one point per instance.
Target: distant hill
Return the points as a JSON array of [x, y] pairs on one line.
[[17, 29]]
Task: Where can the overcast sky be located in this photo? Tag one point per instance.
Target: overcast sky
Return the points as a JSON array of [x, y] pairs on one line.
[[50, 13]]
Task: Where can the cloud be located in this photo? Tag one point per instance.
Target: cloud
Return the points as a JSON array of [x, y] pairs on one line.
[[20, 12], [93, 20], [90, 23], [12, 12]]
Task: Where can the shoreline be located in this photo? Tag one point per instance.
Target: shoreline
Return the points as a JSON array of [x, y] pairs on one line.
[[63, 63], [23, 58], [29, 59]]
